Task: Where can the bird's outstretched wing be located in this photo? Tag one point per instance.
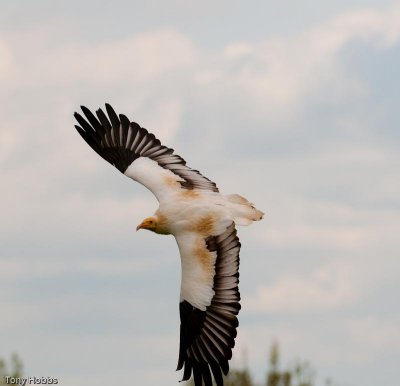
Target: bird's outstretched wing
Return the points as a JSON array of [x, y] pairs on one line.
[[137, 153], [209, 304]]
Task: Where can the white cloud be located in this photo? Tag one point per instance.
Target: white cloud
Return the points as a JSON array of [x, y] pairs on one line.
[[41, 268], [302, 235], [380, 27], [5, 60], [327, 225], [329, 287], [134, 60], [375, 336], [275, 78], [333, 346], [166, 117], [276, 73], [8, 142]]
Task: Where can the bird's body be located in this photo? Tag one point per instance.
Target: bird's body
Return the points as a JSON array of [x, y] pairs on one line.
[[202, 221]]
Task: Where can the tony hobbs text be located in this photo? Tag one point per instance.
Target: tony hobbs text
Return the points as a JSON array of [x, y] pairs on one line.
[[23, 381]]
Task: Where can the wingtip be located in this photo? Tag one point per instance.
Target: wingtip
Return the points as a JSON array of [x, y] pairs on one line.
[[86, 111], [110, 110], [108, 106], [123, 117]]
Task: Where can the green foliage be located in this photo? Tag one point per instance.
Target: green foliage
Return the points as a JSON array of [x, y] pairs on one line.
[[13, 370], [299, 374], [238, 378], [234, 378]]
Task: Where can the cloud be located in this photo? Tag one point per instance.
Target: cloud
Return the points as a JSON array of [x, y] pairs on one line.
[[326, 224], [5, 60], [8, 143], [329, 287], [333, 346], [276, 72], [375, 335], [275, 78], [133, 60], [371, 25], [42, 268]]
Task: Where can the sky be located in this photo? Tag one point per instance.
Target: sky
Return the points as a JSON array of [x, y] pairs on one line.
[[292, 104]]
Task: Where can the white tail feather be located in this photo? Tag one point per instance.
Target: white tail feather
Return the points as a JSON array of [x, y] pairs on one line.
[[243, 211]]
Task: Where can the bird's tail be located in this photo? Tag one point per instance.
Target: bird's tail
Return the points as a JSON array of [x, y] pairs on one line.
[[243, 211]]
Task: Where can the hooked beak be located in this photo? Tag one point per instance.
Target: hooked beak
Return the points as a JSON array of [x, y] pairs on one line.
[[147, 223]]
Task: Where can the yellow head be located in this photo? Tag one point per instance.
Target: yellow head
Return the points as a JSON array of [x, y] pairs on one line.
[[149, 223]]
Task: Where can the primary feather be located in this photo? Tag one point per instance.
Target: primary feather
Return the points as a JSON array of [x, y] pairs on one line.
[[203, 224]]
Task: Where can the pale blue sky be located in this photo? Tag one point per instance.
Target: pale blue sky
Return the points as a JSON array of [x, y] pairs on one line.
[[294, 105]]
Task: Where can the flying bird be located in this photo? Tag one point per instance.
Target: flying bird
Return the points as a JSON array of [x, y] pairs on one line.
[[201, 219]]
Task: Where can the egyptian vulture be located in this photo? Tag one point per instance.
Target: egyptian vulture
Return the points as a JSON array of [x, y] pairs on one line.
[[201, 219]]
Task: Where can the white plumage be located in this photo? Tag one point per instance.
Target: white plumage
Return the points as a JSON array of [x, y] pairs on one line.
[[203, 224]]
